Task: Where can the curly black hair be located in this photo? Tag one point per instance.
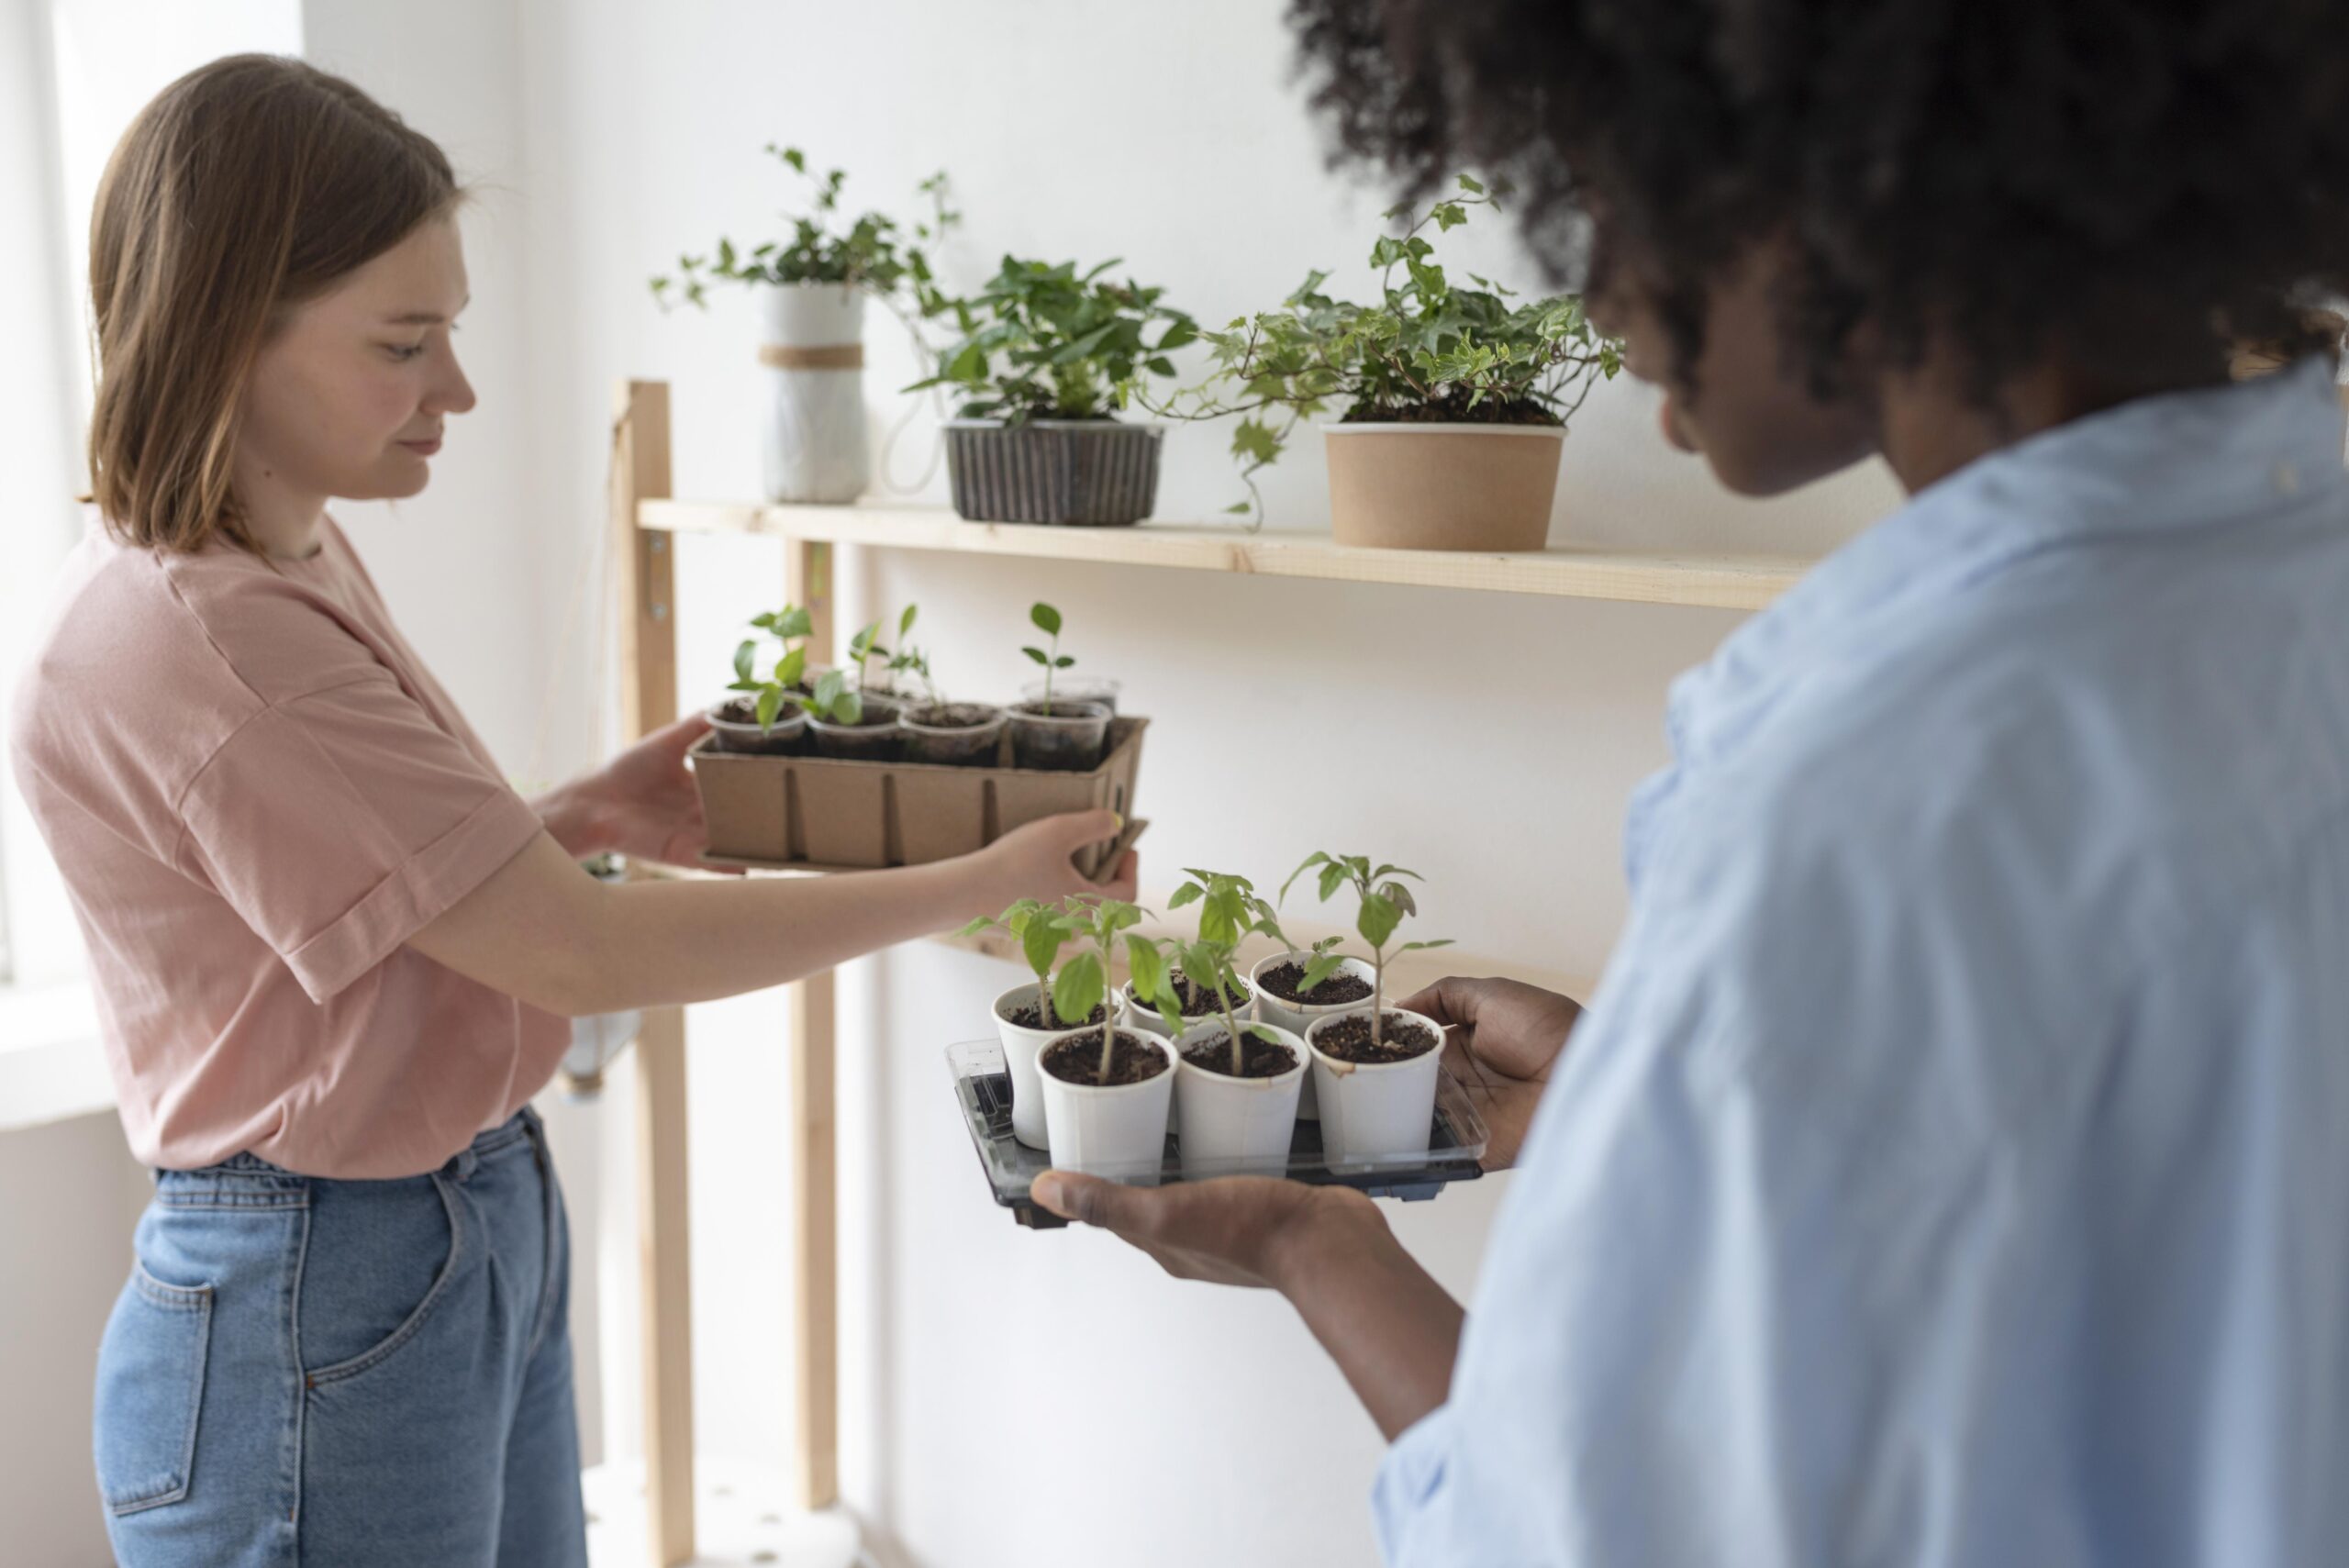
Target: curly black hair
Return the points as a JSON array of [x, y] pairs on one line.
[[2133, 187]]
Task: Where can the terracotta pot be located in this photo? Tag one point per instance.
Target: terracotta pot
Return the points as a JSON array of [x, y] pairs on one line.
[[1483, 487]]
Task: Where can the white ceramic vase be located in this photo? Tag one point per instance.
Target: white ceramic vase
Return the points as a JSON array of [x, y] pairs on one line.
[[812, 355]]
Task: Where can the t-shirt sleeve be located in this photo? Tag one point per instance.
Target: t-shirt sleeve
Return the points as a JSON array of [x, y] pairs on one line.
[[340, 822]]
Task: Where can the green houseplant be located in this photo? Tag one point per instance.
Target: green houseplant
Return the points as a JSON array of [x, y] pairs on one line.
[[769, 714], [1236, 1079], [812, 283], [1024, 1018], [946, 734], [1451, 395], [1376, 1068], [1050, 732], [1044, 360], [1107, 1090]]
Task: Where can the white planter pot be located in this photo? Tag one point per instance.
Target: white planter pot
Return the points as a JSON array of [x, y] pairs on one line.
[[1296, 1020], [1116, 1132], [1020, 1049], [1375, 1112], [1137, 1016], [812, 355], [1232, 1125], [1140, 1016]]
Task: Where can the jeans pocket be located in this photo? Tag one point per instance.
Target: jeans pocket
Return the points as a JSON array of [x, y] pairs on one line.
[[150, 1391], [360, 1301]]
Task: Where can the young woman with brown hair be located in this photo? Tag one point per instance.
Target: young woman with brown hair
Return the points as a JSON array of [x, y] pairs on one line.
[[334, 951]]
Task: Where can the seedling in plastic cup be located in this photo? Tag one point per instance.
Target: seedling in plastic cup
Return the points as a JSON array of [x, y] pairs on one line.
[[781, 685], [1083, 983], [1384, 903], [1047, 620], [1036, 927], [1230, 909]]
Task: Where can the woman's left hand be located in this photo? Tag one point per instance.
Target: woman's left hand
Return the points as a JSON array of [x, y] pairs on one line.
[[642, 804]]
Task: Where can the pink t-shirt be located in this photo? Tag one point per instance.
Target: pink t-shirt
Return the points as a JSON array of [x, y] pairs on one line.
[[257, 793]]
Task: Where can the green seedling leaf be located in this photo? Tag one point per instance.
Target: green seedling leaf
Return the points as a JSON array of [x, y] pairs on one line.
[[1080, 986], [1046, 619]]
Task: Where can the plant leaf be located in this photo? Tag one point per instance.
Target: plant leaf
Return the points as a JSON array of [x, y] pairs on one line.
[[1040, 943], [1079, 987]]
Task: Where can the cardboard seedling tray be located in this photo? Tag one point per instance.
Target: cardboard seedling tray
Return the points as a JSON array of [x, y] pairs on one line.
[[983, 1091], [830, 814]]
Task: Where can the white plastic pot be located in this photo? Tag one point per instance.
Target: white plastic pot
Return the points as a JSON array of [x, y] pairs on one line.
[[812, 355], [1232, 1125], [1375, 1112], [1020, 1049], [1296, 1020], [1118, 1133], [1141, 1016]]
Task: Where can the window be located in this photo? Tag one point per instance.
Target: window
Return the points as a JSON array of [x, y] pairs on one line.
[[73, 75]]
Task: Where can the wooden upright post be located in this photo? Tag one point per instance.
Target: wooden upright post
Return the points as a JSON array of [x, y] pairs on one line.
[[644, 585], [815, 1213]]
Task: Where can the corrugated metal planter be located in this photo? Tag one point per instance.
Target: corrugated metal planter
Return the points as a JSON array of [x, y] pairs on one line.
[[1053, 471]]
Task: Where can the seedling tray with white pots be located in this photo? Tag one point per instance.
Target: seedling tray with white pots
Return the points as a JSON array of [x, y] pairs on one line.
[[983, 1089]]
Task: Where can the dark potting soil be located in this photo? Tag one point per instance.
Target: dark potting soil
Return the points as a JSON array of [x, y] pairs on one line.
[[1032, 1017], [951, 716], [1078, 1060], [1348, 1039], [1198, 1004], [1265, 1058], [1282, 978], [1451, 409]]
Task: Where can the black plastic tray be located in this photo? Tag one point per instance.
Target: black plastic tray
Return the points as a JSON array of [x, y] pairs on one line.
[[982, 1090]]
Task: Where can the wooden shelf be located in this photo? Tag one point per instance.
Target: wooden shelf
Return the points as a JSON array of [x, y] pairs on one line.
[[1717, 581]]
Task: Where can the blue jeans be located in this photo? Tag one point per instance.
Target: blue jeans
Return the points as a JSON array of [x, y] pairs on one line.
[[305, 1372]]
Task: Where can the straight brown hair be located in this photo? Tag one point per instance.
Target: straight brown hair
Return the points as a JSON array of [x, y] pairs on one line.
[[246, 188]]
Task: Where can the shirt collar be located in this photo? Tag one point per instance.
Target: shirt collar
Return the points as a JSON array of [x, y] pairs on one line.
[[2212, 456]]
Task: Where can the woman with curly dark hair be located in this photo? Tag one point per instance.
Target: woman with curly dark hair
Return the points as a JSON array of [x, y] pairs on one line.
[[1947, 1170]]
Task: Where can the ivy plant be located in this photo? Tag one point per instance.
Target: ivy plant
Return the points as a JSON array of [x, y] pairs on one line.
[[1047, 619], [1230, 911], [871, 251], [1384, 901], [1430, 348], [1044, 341], [790, 626]]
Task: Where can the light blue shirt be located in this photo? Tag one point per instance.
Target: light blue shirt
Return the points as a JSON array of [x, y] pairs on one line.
[[1952, 1170]]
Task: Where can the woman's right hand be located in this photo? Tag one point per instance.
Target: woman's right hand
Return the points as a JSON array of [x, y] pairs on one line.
[[1036, 862], [1502, 1036]]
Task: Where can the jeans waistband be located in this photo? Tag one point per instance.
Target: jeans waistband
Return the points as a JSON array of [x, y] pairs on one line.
[[248, 1179]]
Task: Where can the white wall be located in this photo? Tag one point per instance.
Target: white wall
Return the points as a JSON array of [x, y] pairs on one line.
[[1507, 731]]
